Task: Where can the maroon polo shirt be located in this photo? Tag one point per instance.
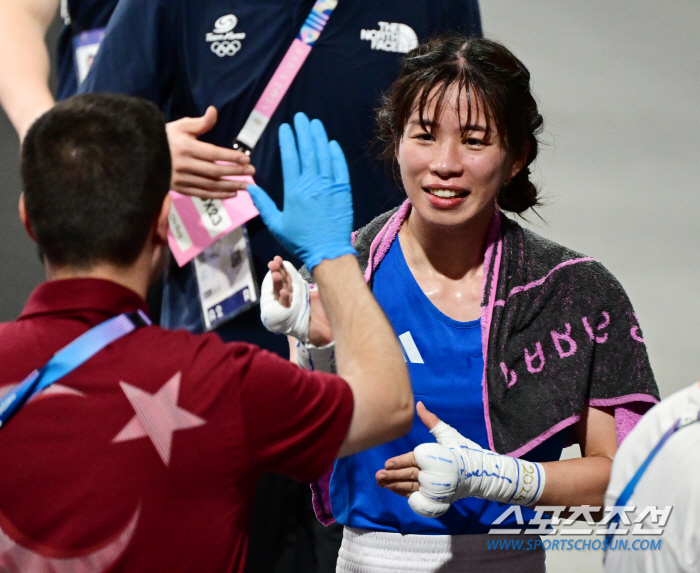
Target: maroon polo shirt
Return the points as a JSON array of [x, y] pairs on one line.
[[145, 457]]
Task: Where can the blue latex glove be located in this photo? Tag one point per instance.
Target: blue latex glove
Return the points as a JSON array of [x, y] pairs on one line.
[[316, 222]]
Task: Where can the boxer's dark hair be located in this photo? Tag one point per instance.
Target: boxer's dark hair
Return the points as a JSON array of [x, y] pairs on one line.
[[490, 75], [95, 171]]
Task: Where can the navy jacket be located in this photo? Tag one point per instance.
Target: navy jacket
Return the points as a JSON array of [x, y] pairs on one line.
[[85, 15]]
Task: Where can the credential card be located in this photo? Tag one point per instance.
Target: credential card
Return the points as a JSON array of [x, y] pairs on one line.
[[226, 278]]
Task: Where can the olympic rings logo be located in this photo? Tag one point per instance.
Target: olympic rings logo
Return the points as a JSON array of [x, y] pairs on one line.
[[226, 48]]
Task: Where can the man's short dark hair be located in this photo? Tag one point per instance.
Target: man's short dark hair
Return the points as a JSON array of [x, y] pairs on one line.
[[95, 171]]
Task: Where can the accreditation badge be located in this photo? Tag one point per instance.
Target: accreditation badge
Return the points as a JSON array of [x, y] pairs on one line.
[[226, 278], [85, 46]]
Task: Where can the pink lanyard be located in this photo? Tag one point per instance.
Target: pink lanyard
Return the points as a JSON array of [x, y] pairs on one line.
[[284, 75]]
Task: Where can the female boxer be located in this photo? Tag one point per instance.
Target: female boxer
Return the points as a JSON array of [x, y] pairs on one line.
[[517, 343]]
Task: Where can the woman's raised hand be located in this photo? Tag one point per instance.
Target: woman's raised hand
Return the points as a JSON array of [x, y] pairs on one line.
[[282, 287], [284, 300], [288, 305]]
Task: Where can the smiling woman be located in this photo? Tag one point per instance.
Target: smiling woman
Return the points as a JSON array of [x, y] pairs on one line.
[[518, 343], [488, 88], [457, 170]]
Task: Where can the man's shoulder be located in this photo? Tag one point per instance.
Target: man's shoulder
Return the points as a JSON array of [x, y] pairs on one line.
[[683, 405], [196, 349]]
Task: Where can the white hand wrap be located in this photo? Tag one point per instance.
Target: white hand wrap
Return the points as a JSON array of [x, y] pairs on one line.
[[294, 320], [456, 467], [318, 358]]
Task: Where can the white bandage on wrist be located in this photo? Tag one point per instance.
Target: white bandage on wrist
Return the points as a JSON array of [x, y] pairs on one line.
[[318, 358], [293, 321], [456, 467]]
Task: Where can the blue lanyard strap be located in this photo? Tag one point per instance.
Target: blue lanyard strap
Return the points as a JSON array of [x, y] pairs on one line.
[[69, 358]]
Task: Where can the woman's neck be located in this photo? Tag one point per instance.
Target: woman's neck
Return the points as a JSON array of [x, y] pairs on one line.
[[451, 252]]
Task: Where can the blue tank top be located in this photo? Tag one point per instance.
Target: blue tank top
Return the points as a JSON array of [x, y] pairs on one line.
[[446, 365]]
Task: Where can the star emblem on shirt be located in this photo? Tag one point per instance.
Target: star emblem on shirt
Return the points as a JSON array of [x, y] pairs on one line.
[[157, 416]]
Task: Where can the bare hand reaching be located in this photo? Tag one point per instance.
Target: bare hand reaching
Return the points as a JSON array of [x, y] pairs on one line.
[[199, 168]]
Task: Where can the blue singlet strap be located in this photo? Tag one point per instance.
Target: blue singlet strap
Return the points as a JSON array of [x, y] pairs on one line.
[[69, 358]]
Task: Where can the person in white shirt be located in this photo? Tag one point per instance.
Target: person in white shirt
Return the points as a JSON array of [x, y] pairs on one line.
[[668, 486]]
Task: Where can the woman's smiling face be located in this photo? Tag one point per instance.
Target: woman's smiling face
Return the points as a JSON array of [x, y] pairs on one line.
[[451, 171]]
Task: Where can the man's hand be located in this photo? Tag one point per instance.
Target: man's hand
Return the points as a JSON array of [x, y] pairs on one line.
[[316, 222], [199, 168]]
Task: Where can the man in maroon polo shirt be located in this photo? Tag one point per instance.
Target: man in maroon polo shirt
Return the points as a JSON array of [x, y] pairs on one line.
[[145, 457]]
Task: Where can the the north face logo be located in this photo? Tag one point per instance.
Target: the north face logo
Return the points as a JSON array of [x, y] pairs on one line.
[[391, 37]]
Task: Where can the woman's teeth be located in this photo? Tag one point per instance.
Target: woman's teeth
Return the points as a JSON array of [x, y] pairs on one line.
[[445, 193]]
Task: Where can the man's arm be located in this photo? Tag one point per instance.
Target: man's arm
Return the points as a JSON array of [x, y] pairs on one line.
[[367, 357], [24, 60], [360, 330], [315, 225]]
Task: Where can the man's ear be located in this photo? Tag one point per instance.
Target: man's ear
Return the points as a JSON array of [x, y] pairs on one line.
[[23, 217], [161, 230]]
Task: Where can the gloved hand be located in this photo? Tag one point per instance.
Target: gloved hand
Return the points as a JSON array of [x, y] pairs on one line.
[[317, 218], [456, 467], [294, 320]]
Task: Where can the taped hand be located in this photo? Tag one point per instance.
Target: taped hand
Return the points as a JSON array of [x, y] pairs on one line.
[[455, 468], [317, 218], [292, 320]]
